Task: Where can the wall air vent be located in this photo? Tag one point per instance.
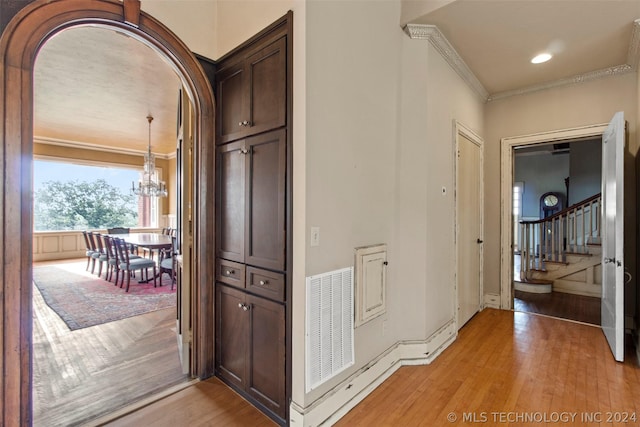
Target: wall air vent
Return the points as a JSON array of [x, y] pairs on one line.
[[329, 326]]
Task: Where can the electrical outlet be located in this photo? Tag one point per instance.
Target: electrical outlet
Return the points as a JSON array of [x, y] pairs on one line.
[[315, 236]]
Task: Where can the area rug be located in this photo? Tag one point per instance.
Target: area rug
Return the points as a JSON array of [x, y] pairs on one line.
[[82, 299]]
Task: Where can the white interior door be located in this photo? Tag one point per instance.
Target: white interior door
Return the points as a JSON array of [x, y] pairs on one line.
[[469, 228], [612, 304]]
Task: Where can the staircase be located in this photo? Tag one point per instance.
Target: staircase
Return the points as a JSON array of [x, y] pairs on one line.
[[562, 252]]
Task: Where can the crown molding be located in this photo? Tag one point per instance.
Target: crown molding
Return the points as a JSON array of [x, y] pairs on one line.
[[633, 55], [442, 45], [577, 79], [97, 147]]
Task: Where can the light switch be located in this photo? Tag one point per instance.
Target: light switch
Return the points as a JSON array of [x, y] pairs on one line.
[[315, 236]]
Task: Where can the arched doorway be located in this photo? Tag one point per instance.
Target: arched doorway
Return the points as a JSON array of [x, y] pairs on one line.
[[19, 45]]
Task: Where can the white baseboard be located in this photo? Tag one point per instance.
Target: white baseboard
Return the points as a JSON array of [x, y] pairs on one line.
[[341, 399], [492, 301]]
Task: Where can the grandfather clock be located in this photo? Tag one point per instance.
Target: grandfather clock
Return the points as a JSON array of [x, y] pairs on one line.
[[551, 203]]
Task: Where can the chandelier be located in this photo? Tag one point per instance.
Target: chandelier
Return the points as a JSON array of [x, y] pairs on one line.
[[149, 184]]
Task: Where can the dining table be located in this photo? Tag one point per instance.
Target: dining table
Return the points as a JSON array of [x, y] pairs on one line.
[[146, 240]]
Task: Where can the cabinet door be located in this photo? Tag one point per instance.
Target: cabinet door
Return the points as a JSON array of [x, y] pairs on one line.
[[232, 322], [265, 200], [230, 200], [232, 106], [267, 75], [252, 92], [266, 357]]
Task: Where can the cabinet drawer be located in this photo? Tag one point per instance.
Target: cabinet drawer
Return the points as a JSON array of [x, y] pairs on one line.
[[231, 273], [265, 283]]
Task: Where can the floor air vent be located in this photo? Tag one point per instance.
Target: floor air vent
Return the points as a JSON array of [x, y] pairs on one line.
[[329, 327]]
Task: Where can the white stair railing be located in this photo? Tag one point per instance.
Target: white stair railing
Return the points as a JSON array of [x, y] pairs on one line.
[[551, 239]]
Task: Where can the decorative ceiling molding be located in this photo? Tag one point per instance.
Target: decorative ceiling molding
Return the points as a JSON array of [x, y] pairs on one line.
[[633, 55], [442, 45], [580, 78], [97, 147]]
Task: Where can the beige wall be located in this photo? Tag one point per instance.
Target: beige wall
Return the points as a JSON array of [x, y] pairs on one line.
[[238, 21], [413, 9], [561, 108], [352, 97], [193, 21], [379, 147]]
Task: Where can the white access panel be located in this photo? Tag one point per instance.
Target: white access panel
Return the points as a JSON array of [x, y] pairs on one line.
[[371, 282]]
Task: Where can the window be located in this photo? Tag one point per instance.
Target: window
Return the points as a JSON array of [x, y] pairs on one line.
[[80, 196]]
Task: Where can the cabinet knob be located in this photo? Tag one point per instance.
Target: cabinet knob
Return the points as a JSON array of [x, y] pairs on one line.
[[245, 307], [244, 123], [240, 305], [229, 272], [264, 282], [243, 151]]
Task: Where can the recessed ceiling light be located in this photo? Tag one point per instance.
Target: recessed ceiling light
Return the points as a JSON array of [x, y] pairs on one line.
[[543, 57]]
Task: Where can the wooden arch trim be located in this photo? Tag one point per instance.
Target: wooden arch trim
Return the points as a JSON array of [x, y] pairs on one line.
[[19, 45]]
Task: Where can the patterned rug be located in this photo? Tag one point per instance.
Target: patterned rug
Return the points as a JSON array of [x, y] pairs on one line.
[[82, 299]]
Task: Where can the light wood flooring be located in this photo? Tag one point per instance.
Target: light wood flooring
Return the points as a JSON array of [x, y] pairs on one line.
[[83, 374], [502, 361]]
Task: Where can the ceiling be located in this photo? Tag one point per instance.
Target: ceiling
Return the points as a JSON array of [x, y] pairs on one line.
[[497, 39], [96, 86]]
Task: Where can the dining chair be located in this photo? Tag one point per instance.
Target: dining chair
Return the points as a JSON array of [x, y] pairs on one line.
[[127, 264], [100, 254], [89, 251], [168, 263]]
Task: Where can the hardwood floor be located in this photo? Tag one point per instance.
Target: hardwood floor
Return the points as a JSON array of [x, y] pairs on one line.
[[83, 374], [503, 363], [207, 403], [557, 304], [508, 363]]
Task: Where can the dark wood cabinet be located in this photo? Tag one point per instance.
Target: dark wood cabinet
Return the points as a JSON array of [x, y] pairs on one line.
[[231, 335], [251, 225], [230, 200], [253, 219], [252, 90], [250, 346], [266, 353]]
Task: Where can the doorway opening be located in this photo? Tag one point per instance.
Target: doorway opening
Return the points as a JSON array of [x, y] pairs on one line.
[[21, 40], [85, 116], [556, 235]]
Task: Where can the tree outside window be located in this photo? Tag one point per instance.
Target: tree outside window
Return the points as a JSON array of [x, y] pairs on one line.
[[70, 196]]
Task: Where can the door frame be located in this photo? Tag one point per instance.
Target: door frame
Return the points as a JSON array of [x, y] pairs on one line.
[[460, 129], [30, 28], [507, 145]]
